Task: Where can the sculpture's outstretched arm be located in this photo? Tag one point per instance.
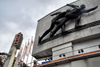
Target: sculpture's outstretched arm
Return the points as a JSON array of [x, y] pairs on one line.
[[73, 6], [56, 13], [88, 10]]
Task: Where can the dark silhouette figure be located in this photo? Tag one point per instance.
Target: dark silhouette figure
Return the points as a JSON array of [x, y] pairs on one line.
[[55, 21], [76, 14]]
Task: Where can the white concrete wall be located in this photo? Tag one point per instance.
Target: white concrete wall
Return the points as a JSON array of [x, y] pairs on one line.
[[87, 44], [90, 62], [60, 50], [44, 23], [61, 47]]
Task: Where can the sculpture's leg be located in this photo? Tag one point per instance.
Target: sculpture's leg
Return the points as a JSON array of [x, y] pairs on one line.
[[46, 32], [59, 26], [77, 22], [63, 28], [53, 23]]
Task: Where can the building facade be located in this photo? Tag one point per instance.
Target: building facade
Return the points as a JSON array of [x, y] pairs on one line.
[[78, 48]]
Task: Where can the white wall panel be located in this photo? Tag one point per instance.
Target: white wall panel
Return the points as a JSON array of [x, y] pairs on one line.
[[86, 44], [64, 50], [62, 46], [93, 62], [95, 29], [78, 63]]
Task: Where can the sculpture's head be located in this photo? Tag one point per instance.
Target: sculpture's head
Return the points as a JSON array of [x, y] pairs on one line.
[[82, 6]]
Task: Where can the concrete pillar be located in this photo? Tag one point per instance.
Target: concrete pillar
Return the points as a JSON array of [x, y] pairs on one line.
[[11, 56]]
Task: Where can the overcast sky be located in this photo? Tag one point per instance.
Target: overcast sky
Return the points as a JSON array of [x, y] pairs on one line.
[[22, 16]]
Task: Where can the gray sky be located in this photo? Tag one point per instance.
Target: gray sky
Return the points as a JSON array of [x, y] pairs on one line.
[[22, 16]]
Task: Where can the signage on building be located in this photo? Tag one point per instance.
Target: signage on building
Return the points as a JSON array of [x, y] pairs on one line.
[[17, 40]]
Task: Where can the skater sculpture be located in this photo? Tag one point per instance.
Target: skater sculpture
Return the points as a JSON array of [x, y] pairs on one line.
[[63, 17]]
